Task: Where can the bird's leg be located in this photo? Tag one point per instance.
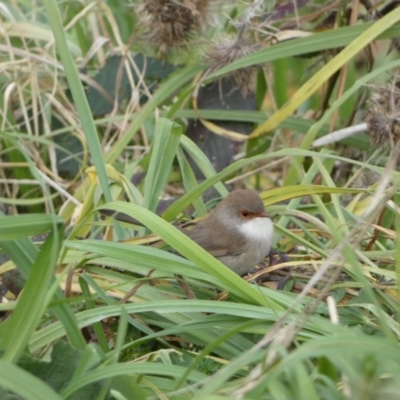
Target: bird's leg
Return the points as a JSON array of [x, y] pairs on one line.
[[273, 261]]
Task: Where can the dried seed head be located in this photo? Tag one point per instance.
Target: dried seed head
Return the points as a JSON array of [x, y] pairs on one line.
[[171, 23], [387, 96], [383, 118], [227, 50], [383, 128]]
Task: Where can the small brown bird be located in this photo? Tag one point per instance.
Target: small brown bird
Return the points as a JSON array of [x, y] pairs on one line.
[[238, 232]]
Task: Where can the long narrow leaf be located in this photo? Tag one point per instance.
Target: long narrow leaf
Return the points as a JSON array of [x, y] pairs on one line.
[[32, 302], [19, 226], [165, 145]]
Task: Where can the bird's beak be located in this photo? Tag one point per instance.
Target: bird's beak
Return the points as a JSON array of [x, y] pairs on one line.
[[263, 214]]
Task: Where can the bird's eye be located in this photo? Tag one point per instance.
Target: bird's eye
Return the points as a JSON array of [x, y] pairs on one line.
[[244, 213]]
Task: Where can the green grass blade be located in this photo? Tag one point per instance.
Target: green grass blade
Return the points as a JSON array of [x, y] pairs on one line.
[[98, 328], [23, 253], [80, 100], [330, 39], [25, 384], [142, 368], [202, 162], [190, 182], [19, 226], [165, 145], [32, 302]]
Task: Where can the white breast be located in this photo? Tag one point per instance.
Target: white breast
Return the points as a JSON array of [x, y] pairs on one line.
[[258, 229], [259, 233]]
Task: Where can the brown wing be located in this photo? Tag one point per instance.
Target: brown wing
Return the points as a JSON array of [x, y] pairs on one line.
[[218, 242]]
